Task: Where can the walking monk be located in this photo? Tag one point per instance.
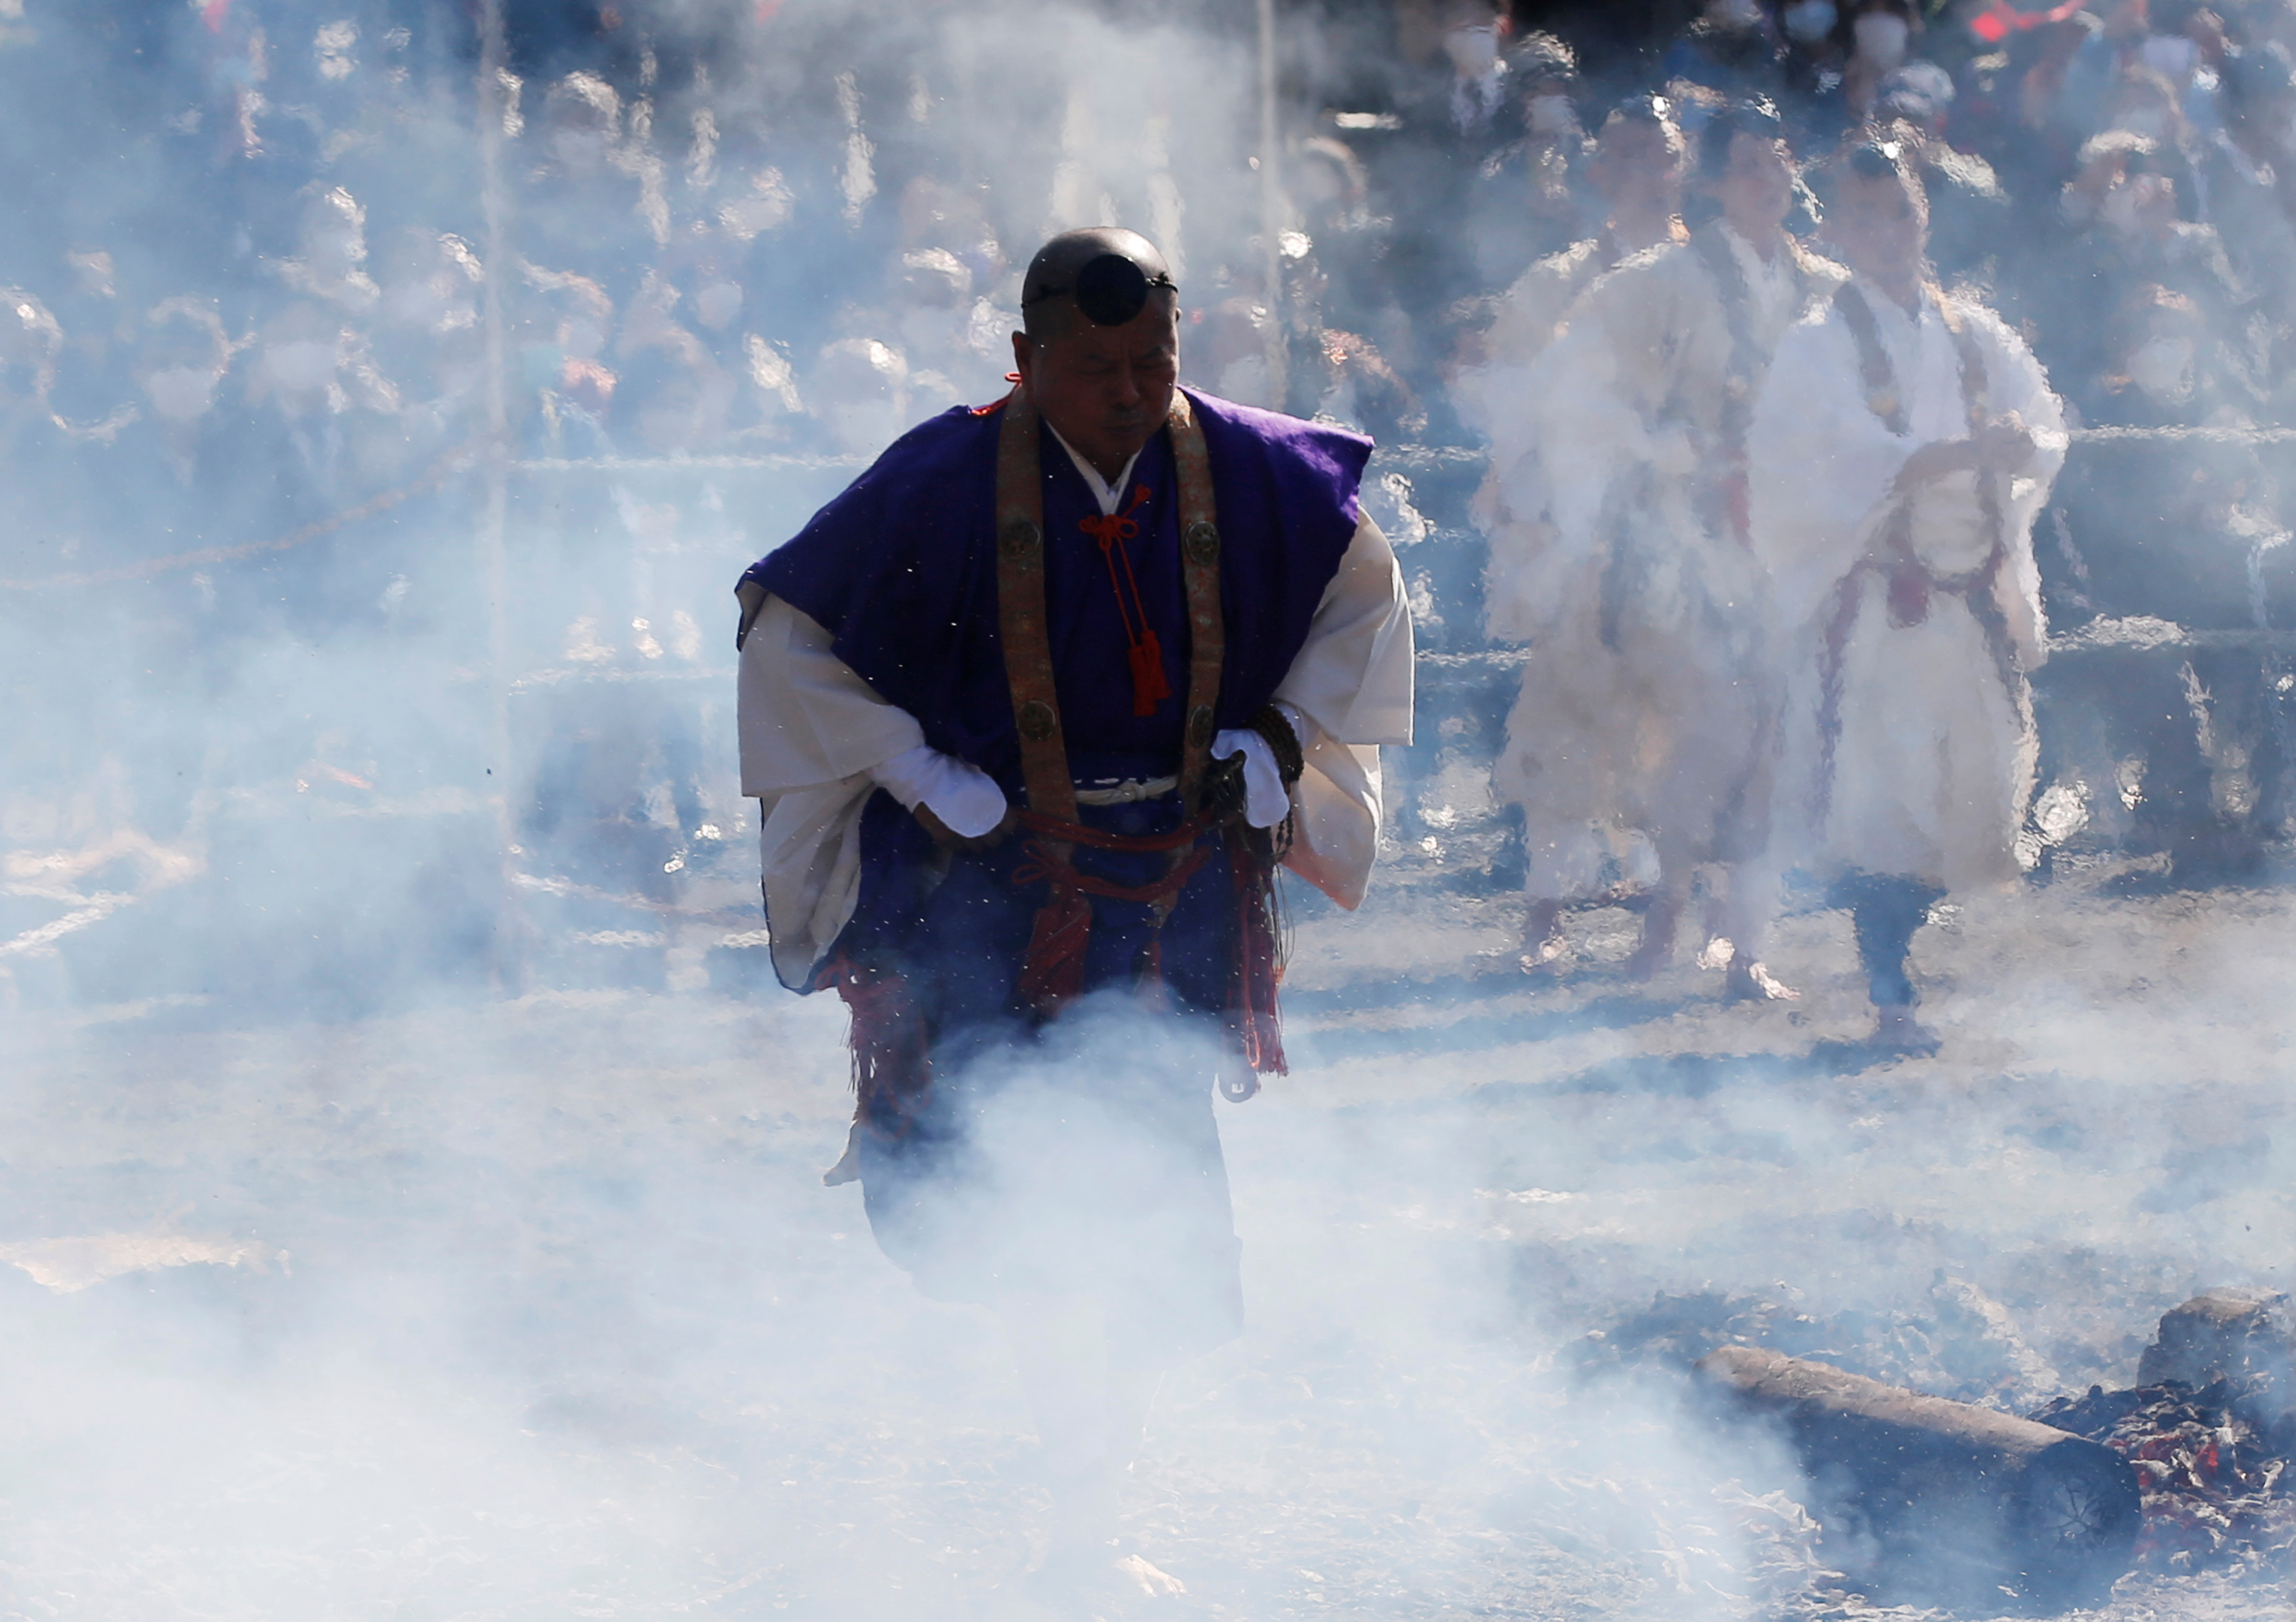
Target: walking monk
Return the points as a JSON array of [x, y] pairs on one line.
[[1905, 443], [1035, 710]]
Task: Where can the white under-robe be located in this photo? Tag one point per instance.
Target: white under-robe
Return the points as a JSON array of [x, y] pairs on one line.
[[811, 730], [1934, 758], [1645, 701]]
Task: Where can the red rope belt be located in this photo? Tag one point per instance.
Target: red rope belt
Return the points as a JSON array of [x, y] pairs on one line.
[[1053, 972]]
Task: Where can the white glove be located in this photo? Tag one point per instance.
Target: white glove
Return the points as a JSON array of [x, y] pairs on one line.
[[1265, 801], [965, 798]]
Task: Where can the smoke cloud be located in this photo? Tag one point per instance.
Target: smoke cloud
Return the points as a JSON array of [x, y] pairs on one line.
[[413, 1205]]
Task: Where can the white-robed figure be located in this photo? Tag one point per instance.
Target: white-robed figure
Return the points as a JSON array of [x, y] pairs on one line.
[[1647, 701], [1900, 450], [1636, 170]]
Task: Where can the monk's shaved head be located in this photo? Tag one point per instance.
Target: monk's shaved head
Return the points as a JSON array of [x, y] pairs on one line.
[[1100, 355], [1106, 274]]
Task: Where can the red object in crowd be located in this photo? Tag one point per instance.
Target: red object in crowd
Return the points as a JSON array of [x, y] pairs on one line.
[[2003, 20]]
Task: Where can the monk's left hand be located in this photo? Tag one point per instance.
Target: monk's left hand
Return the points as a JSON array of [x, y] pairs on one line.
[[949, 839], [1225, 793]]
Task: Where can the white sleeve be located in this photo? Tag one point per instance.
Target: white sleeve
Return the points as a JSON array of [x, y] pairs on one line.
[[2016, 383], [812, 735], [1351, 686], [805, 717], [1352, 677]]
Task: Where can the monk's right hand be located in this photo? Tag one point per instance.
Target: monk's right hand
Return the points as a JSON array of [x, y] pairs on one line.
[[949, 839], [2005, 444]]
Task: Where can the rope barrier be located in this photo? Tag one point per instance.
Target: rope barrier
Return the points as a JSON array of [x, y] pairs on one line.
[[452, 462], [1416, 458]]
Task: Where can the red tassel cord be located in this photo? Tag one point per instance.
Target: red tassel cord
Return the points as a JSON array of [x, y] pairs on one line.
[[892, 1049], [1150, 687], [1053, 972], [1257, 1021]]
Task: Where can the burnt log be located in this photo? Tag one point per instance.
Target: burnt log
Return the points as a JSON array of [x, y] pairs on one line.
[[1930, 1500], [2244, 1337]]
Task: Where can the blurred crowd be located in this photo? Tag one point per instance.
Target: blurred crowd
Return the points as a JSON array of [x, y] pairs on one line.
[[2116, 177], [268, 264], [700, 275]]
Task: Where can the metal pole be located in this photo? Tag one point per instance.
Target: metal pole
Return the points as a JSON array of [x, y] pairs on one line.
[[509, 965], [1271, 213]]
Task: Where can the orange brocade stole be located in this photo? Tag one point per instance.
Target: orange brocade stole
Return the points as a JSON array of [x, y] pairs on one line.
[[891, 1048]]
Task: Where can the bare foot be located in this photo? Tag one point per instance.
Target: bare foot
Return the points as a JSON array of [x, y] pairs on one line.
[[1153, 1582], [848, 1168], [1089, 1572], [1753, 983], [1896, 1029], [1546, 956], [1543, 946]]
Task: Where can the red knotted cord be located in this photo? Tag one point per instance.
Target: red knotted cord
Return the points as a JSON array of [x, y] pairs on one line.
[[1146, 651]]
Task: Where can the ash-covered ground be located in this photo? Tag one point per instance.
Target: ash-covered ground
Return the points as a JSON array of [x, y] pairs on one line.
[[538, 1309]]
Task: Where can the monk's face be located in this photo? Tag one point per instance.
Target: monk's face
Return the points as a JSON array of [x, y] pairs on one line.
[[1106, 390], [1637, 169], [1877, 226], [1756, 190]]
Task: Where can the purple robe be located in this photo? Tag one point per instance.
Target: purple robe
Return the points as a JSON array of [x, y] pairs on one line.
[[900, 570]]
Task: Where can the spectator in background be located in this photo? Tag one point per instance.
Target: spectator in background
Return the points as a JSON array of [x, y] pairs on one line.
[[944, 330], [1815, 51], [1527, 197], [2247, 171], [180, 365], [1731, 49], [2145, 103], [2189, 51], [428, 337], [1228, 352], [1331, 193], [2129, 238], [563, 374], [934, 214], [1338, 377], [860, 392], [330, 259], [336, 414], [671, 399], [30, 340], [1474, 99], [584, 208], [1884, 37], [2167, 369], [1462, 111], [2021, 122]]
